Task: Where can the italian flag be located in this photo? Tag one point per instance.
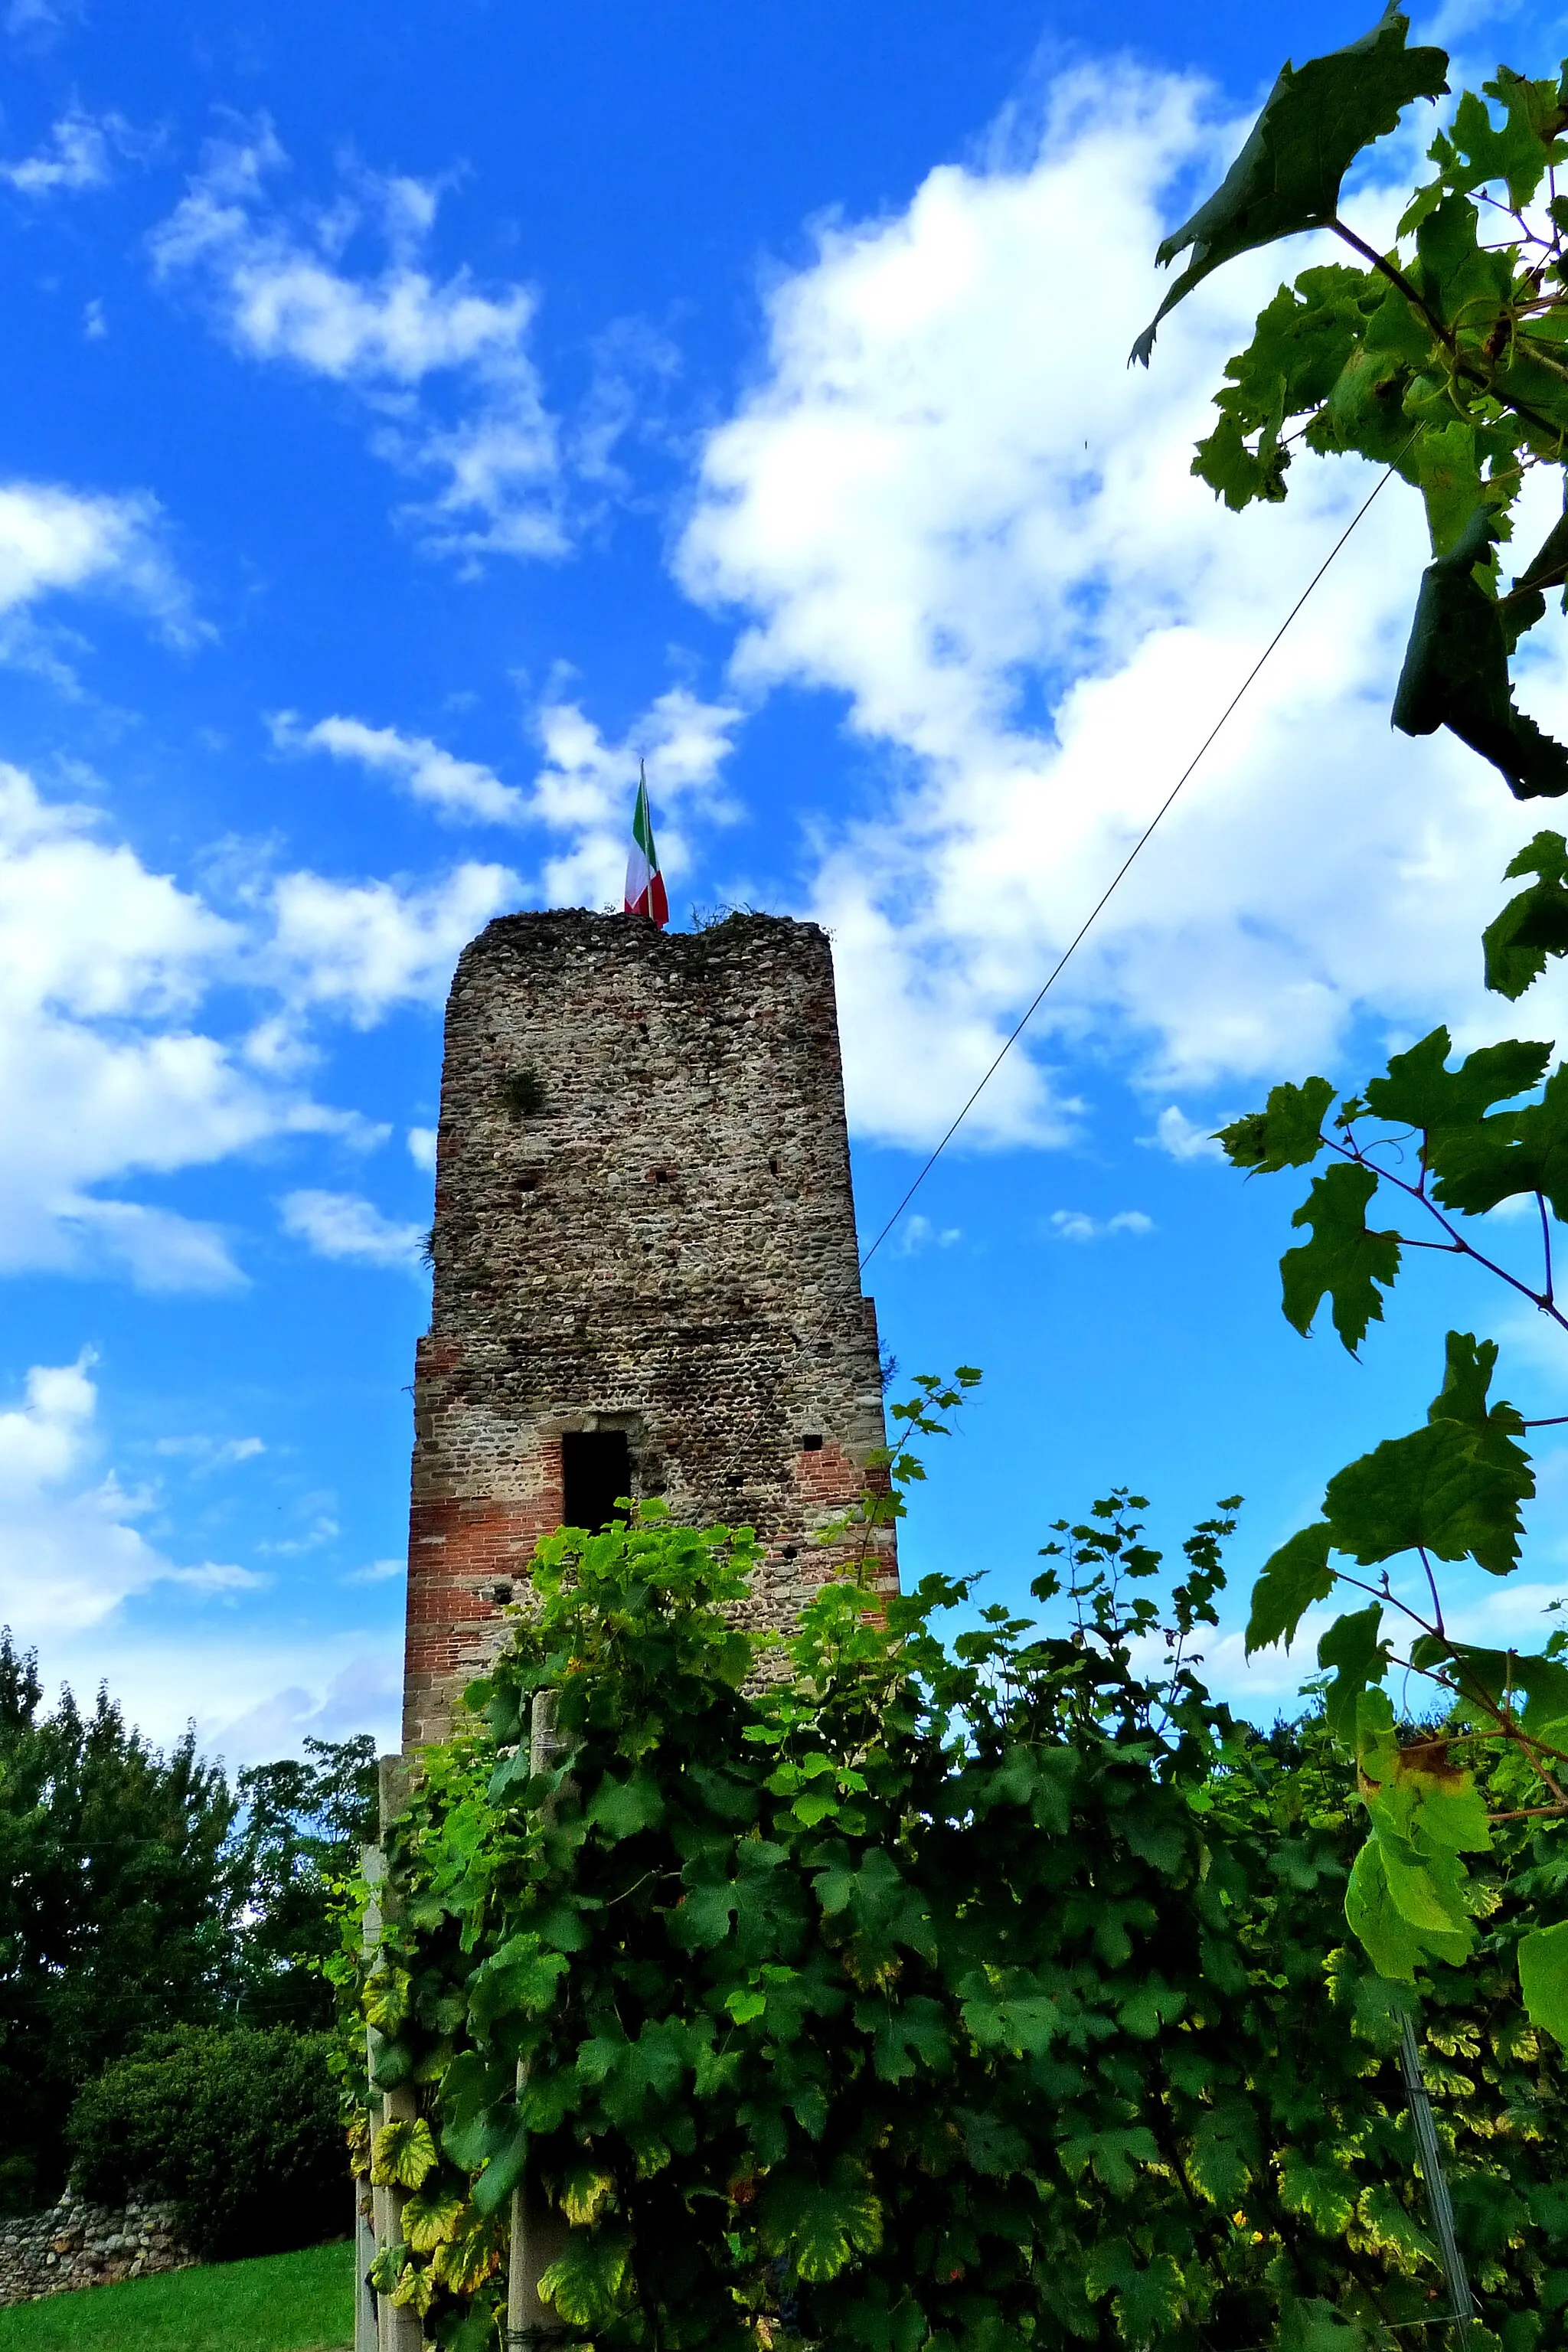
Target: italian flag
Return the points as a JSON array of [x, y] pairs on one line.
[[645, 883]]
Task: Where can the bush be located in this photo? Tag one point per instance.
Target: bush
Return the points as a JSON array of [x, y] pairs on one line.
[[237, 2129]]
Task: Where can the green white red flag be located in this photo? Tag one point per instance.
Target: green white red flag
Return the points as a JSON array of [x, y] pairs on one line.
[[645, 884]]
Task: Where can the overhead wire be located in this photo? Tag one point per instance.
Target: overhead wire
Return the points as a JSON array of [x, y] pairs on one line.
[[1124, 868]]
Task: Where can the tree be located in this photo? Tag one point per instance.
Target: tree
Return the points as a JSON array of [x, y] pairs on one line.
[[303, 1822], [118, 1902], [1446, 359]]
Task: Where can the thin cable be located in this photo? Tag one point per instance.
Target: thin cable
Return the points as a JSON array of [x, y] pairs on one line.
[[1120, 875]]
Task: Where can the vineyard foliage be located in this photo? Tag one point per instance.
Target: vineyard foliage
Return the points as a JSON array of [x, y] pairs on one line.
[[1444, 357], [964, 1992]]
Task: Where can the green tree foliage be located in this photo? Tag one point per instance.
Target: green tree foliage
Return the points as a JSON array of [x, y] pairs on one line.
[[116, 1906], [238, 2127], [303, 1822], [139, 1893], [1445, 358], [950, 1993]]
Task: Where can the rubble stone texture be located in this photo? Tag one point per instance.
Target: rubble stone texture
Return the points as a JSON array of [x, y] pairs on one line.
[[75, 2244], [643, 1223]]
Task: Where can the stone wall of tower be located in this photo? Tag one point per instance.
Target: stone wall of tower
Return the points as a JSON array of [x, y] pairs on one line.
[[664, 1246]]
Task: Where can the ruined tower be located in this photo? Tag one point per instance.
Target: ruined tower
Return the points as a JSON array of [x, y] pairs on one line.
[[646, 1274]]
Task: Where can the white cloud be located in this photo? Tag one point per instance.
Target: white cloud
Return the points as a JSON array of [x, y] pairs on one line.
[[78, 154], [462, 790], [70, 1554], [1076, 1225], [377, 1571], [344, 1225], [586, 787], [442, 367], [207, 1454], [919, 1233], [54, 540], [950, 504], [1175, 1132], [105, 1075], [364, 948], [422, 1148]]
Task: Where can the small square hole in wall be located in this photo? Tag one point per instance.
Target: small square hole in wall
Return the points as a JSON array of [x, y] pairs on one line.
[[811, 1444], [500, 1594]]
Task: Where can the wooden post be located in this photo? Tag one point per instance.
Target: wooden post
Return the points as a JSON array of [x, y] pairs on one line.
[[397, 2329], [538, 2228], [367, 2327]]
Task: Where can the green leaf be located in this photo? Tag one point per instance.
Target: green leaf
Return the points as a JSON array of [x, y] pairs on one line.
[[1322, 2192], [1354, 1648], [1455, 1488], [519, 1979], [586, 2285], [1287, 1132], [429, 2221], [503, 2173], [1149, 2297], [1343, 1258], [1395, 1946], [1287, 177], [819, 2226], [1544, 1978], [622, 1808], [1292, 1578], [404, 2153], [1421, 1091], [1534, 924], [1517, 1152], [1456, 671]]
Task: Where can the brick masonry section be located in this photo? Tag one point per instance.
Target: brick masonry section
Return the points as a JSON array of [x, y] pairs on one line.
[[664, 1246], [75, 2244]]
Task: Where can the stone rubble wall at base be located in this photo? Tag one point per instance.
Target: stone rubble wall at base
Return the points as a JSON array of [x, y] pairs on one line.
[[74, 2244]]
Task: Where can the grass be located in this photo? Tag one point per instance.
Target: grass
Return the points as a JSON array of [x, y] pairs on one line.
[[284, 2303]]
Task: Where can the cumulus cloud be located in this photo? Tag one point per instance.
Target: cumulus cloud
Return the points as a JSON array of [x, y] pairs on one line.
[[346, 292], [949, 505], [585, 788], [422, 1148], [78, 154], [345, 1226], [1175, 1133], [1076, 1225], [71, 1554], [107, 1074], [364, 948], [464, 792], [54, 540], [920, 1233]]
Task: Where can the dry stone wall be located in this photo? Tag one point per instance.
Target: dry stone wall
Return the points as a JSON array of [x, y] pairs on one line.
[[643, 1223], [75, 2244]]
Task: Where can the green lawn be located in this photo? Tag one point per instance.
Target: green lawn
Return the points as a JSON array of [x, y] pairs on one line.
[[285, 2303]]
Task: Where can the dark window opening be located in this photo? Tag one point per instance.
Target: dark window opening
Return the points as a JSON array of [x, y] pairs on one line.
[[811, 1444], [595, 1471]]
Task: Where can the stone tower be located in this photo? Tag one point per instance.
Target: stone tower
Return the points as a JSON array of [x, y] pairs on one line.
[[646, 1276]]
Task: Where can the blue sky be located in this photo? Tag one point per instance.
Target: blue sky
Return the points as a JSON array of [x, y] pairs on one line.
[[415, 416]]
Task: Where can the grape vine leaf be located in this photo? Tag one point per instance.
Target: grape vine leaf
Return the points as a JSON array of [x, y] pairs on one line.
[[1534, 923], [1359, 1656], [1455, 670], [1344, 1257], [1286, 1133], [1544, 1978], [1421, 1091], [1315, 121], [1453, 1488], [1291, 1579]]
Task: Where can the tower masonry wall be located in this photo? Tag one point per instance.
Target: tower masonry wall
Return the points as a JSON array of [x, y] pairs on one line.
[[643, 1223]]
